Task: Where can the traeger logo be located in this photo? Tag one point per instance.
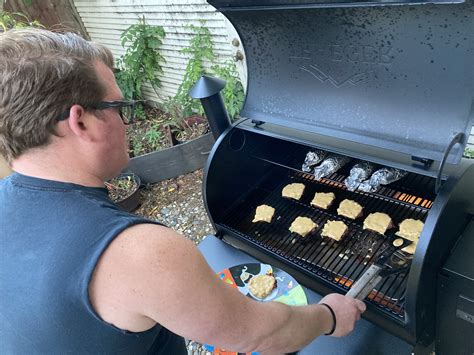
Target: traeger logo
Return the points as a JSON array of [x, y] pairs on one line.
[[343, 64]]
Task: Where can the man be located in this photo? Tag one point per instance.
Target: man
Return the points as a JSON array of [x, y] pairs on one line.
[[79, 275]]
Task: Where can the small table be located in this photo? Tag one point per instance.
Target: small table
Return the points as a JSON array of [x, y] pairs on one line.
[[366, 339]]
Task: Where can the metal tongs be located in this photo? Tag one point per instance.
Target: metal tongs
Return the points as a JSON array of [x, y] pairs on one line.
[[383, 267]]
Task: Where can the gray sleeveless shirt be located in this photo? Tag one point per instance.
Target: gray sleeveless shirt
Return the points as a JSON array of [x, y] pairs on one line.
[[51, 237]]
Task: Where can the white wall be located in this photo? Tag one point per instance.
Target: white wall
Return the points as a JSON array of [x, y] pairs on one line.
[[105, 20]]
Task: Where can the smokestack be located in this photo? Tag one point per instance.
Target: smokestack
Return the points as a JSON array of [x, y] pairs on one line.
[[208, 89]]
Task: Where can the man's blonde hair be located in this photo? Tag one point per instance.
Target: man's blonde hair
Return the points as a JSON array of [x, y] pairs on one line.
[[42, 74]]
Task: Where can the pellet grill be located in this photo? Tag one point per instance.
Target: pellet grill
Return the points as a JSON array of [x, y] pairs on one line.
[[387, 82]]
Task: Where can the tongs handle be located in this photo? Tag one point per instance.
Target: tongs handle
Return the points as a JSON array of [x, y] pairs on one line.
[[366, 283]]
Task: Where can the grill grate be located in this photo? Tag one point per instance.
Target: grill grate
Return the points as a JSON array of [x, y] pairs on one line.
[[339, 263]]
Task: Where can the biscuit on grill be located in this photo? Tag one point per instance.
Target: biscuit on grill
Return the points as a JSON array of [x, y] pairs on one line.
[[264, 213], [262, 285], [378, 222], [334, 230], [349, 209], [410, 229], [294, 191], [410, 249], [397, 242], [323, 199], [302, 226]]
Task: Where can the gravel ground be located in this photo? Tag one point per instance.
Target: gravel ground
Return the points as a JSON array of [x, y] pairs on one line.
[[178, 204]]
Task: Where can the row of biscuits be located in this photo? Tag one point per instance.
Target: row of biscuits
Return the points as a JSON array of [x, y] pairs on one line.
[[379, 222], [347, 208]]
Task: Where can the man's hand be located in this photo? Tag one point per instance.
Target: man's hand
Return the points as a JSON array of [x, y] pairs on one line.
[[347, 311]]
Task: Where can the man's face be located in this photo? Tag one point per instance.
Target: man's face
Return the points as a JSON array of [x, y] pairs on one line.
[[114, 143]]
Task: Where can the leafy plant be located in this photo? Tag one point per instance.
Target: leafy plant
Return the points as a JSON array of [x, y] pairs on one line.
[[121, 187], [233, 93], [141, 61], [9, 20], [172, 107], [153, 136], [137, 145], [468, 153], [201, 51]]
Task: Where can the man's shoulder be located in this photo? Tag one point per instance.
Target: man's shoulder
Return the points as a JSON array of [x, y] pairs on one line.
[[144, 244], [147, 234]]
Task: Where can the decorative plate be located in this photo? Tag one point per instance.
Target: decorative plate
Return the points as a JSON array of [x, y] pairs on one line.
[[288, 290]]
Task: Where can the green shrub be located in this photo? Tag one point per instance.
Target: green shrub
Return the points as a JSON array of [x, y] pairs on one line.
[[201, 51], [141, 61], [233, 92], [468, 153]]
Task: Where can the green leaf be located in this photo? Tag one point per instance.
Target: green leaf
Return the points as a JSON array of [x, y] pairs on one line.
[[139, 62]]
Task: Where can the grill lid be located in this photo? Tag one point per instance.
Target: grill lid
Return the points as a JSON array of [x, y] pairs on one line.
[[395, 77]]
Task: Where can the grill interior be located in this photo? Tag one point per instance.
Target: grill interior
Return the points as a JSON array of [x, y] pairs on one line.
[[337, 263]]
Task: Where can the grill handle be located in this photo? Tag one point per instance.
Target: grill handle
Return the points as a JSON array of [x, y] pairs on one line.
[[366, 283], [208, 89]]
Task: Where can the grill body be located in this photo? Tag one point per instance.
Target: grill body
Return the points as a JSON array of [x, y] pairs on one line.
[[390, 82], [249, 166]]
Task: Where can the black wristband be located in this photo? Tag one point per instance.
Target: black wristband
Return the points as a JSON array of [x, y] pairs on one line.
[[333, 318]]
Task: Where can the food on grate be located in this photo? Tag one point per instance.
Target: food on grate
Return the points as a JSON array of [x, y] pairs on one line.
[[397, 242], [349, 209], [262, 285], [334, 230], [410, 249], [294, 191], [264, 213], [330, 165], [378, 222], [302, 226], [382, 176], [410, 229], [323, 199], [359, 172], [312, 159]]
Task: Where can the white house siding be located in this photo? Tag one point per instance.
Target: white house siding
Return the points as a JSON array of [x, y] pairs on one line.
[[105, 20]]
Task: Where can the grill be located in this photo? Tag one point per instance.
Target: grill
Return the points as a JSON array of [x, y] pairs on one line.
[[392, 85], [337, 262]]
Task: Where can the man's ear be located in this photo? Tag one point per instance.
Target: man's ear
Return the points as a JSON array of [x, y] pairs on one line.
[[80, 122]]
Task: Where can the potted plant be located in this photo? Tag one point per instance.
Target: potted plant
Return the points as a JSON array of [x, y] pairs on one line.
[[124, 191], [165, 145]]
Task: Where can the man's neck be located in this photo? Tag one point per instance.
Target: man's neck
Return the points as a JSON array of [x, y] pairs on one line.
[[52, 167]]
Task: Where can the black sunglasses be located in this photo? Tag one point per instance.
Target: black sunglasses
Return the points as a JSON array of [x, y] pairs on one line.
[[126, 109]]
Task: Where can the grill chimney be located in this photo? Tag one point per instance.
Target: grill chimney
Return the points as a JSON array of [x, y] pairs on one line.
[[207, 89]]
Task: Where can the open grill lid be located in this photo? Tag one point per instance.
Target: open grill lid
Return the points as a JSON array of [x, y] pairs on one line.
[[395, 77]]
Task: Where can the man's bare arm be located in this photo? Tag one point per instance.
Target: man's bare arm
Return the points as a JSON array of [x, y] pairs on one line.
[[150, 273]]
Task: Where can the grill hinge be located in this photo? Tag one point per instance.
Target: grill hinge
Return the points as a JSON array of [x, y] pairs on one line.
[[257, 123]]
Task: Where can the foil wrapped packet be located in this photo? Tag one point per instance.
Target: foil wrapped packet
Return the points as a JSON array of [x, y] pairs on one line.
[[330, 165], [312, 159], [359, 172], [382, 176]]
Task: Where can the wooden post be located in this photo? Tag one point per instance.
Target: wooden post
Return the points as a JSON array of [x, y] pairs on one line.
[[60, 15]]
